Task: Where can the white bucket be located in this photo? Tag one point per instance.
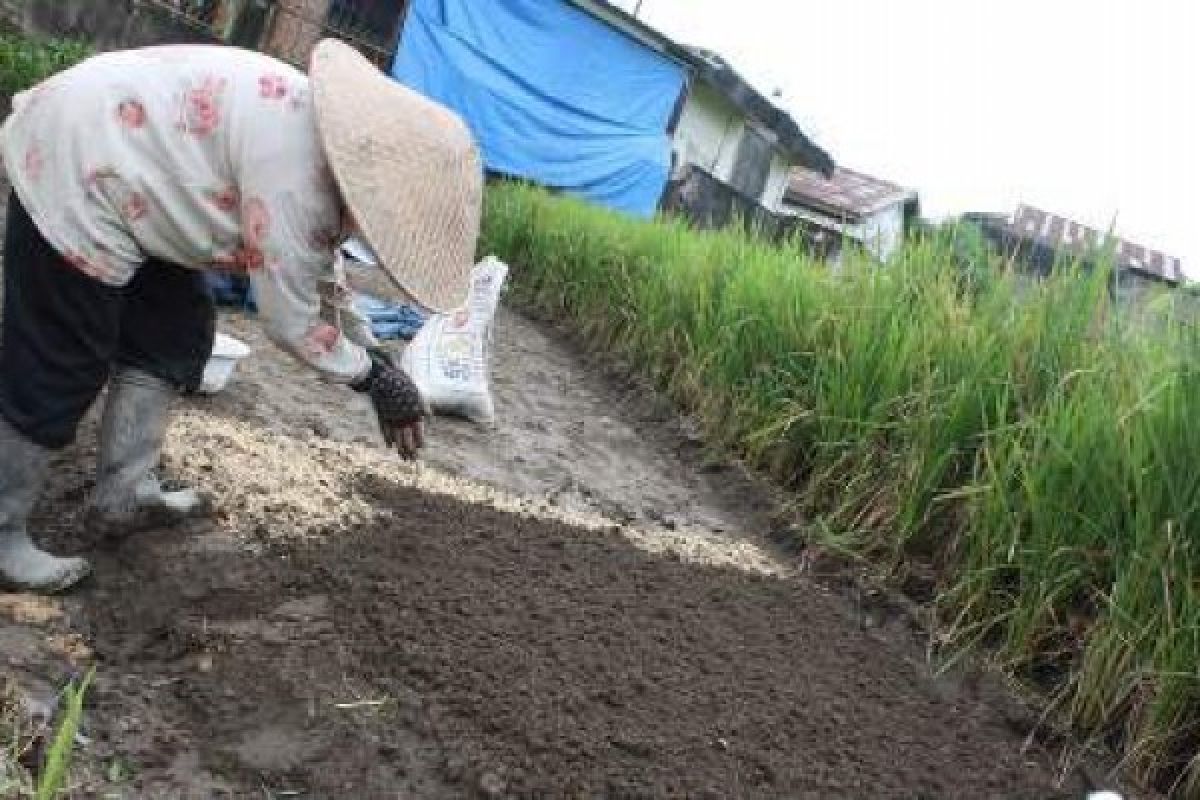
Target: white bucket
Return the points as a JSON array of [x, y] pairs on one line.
[[227, 352]]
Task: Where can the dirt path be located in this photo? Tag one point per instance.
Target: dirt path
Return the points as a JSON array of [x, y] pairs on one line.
[[602, 620]]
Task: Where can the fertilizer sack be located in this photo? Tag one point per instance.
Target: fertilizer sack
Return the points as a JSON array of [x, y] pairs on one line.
[[448, 358]]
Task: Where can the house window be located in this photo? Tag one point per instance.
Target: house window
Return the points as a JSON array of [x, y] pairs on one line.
[[375, 22], [752, 164]]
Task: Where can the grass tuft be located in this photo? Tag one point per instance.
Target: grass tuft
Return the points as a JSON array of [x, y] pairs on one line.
[[58, 758]]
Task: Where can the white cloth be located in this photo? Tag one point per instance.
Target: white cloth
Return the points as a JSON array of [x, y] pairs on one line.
[[202, 156]]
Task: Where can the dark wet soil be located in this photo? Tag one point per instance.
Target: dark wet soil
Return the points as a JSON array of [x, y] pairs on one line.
[[447, 650]]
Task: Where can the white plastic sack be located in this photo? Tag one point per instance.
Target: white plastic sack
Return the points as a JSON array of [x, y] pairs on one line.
[[448, 358]]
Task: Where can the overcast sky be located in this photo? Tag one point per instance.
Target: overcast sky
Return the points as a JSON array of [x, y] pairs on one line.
[[1088, 108]]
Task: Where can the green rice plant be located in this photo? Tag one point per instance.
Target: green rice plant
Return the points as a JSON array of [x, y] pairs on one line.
[[22, 742], [1024, 438], [58, 757]]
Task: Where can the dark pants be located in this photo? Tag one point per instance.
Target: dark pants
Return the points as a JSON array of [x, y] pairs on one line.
[[63, 332]]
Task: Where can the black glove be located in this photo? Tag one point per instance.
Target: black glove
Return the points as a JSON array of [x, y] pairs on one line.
[[398, 404]]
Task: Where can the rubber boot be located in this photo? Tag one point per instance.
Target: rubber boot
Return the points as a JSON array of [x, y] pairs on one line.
[[129, 496], [23, 566]]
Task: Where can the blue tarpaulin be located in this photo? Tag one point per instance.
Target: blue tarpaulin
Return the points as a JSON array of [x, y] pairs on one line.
[[389, 320], [551, 93]]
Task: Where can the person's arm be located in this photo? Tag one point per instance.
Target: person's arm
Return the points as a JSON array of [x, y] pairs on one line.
[[287, 249], [288, 242]]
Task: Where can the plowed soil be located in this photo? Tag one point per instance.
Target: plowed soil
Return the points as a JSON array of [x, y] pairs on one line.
[[449, 650]]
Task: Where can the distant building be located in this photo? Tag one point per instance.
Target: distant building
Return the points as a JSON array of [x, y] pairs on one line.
[[728, 134], [1038, 239], [851, 205]]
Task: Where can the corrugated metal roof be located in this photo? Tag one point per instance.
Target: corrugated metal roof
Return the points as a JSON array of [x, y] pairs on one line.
[[1063, 234], [847, 195]]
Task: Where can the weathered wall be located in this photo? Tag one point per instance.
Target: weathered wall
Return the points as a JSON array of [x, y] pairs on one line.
[[296, 28], [883, 231], [711, 203], [11, 12], [777, 183], [108, 24], [881, 234], [709, 131]]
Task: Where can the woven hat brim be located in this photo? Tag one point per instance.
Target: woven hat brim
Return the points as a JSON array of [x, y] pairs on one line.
[[408, 170]]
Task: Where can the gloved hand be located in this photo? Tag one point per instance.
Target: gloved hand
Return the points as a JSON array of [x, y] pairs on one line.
[[398, 404]]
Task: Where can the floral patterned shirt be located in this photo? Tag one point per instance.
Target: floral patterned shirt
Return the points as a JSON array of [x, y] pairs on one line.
[[203, 156]]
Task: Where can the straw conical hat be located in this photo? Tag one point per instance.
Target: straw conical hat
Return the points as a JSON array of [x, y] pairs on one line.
[[408, 170]]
